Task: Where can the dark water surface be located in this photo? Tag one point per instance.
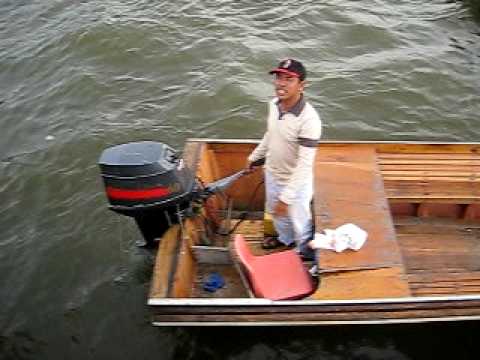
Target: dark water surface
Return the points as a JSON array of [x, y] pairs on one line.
[[78, 76]]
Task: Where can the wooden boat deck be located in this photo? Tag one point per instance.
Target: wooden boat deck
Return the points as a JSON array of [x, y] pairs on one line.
[[356, 183], [420, 205], [431, 266], [349, 189], [441, 256]]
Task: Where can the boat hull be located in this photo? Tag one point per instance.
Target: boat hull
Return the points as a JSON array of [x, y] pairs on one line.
[[419, 264]]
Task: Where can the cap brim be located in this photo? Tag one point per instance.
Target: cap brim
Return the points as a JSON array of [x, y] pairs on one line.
[[283, 71]]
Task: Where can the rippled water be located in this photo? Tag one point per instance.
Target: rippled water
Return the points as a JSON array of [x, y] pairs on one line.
[[78, 76]]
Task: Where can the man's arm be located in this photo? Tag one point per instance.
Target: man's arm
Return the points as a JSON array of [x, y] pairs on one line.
[[308, 139], [259, 152]]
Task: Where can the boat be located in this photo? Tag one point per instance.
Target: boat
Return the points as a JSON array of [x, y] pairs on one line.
[[419, 203]]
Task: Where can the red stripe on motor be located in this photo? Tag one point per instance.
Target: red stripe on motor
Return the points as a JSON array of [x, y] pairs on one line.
[[124, 194]]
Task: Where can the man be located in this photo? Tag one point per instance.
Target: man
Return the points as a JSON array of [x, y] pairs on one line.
[[289, 146]]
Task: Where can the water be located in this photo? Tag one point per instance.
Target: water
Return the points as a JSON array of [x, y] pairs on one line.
[[78, 76]]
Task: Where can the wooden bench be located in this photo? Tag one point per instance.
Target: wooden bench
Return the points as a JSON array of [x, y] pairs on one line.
[[432, 184], [349, 189]]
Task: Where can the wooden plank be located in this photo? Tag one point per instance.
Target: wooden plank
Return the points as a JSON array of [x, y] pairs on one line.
[[419, 190], [164, 263], [375, 283], [440, 252], [434, 167], [425, 148], [452, 188], [451, 278], [423, 283], [429, 173], [221, 160], [249, 191], [439, 160], [408, 147], [413, 222], [438, 155], [252, 230], [414, 147], [349, 188], [234, 148], [241, 272], [439, 177], [247, 215], [322, 307], [325, 313], [441, 256], [191, 155], [208, 172], [186, 268], [462, 181]]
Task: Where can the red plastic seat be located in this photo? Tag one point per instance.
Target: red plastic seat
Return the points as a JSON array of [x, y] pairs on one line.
[[277, 276]]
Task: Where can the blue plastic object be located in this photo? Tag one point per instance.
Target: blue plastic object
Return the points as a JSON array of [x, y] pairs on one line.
[[213, 282]]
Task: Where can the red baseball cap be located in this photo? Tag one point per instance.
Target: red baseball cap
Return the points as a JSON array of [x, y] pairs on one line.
[[291, 67]]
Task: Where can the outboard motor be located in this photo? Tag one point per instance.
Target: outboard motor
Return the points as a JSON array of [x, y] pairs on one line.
[[149, 182]]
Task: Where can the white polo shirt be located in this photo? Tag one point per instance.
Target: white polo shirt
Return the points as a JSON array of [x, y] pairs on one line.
[[289, 145]]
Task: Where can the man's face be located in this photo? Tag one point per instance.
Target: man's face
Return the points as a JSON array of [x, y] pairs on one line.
[[287, 86]]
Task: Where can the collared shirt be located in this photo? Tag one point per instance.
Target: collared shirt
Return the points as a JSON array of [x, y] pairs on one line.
[[289, 145], [295, 110]]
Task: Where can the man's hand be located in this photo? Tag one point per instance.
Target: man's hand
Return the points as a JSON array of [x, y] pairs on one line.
[[281, 209], [250, 167]]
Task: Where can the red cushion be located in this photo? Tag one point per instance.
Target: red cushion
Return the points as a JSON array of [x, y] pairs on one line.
[[277, 276]]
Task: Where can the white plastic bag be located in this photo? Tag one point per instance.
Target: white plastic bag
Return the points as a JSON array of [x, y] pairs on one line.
[[347, 236]]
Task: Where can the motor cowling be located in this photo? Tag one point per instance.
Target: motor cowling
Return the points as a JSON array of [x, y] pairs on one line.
[[147, 181]]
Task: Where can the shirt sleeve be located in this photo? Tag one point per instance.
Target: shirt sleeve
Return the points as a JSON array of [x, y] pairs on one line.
[[308, 138], [261, 149]]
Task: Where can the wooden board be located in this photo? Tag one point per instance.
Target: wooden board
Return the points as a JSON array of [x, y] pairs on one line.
[[349, 189], [442, 256], [443, 191], [191, 155], [448, 177], [185, 271], [452, 283], [363, 284], [165, 263], [249, 191], [326, 313]]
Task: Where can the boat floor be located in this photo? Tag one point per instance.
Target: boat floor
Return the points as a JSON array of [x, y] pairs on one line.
[[420, 205], [441, 256], [253, 231], [233, 287]]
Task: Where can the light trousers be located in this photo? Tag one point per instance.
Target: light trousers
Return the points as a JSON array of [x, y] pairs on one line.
[[296, 227]]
